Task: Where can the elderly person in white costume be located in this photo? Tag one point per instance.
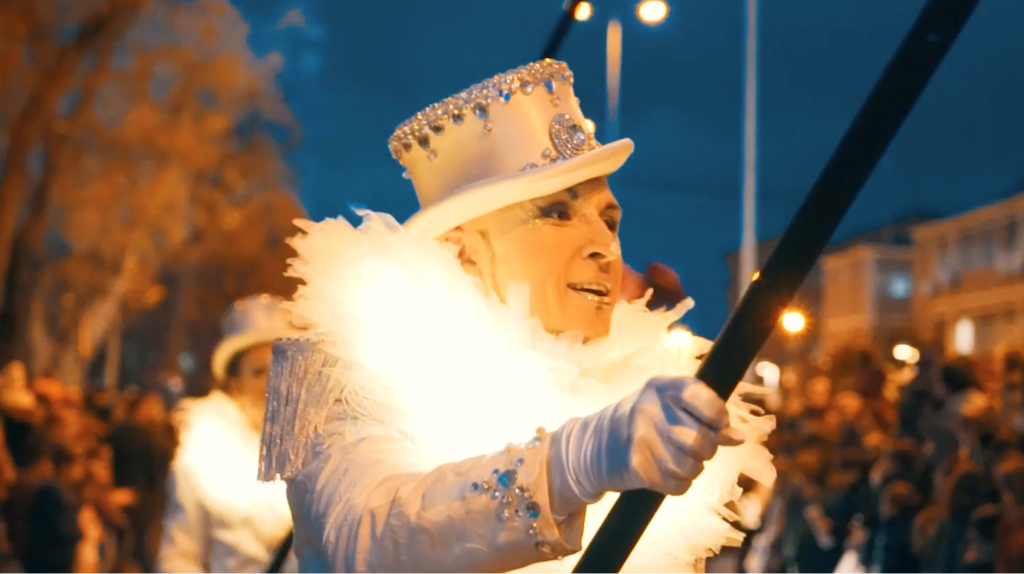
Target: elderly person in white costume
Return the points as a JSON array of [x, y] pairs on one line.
[[492, 314], [219, 517]]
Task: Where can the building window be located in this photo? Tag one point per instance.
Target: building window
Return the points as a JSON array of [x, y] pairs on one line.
[[899, 285], [963, 336]]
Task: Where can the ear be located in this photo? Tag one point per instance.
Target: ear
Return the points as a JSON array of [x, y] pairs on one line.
[[460, 239]]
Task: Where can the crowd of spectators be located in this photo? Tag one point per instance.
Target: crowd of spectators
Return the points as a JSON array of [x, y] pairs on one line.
[[918, 469], [81, 476]]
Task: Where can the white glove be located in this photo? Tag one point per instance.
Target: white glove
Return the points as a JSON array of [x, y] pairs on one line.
[[657, 438]]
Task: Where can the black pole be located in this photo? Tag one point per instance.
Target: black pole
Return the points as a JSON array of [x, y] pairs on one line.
[[281, 553], [561, 30], [750, 325]]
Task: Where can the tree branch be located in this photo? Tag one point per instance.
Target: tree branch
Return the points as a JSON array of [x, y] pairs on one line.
[[108, 22]]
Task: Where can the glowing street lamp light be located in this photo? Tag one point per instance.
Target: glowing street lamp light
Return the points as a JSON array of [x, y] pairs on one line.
[[793, 321], [584, 10], [905, 353], [652, 12]]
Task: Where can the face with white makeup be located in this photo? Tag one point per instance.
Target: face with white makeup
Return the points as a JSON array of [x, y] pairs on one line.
[[565, 246]]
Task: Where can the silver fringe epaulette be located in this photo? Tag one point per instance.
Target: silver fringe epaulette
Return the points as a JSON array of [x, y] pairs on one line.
[[302, 386]]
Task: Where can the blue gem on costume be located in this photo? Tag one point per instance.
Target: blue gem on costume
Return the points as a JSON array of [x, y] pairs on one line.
[[549, 85], [519, 462], [532, 510], [495, 495], [507, 479], [475, 486]]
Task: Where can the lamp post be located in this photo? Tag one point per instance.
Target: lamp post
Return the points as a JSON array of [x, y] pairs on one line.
[[651, 13], [748, 241]]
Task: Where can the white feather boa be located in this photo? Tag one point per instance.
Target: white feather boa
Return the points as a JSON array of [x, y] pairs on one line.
[[465, 374]]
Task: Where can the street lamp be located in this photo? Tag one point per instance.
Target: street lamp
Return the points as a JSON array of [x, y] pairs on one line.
[[905, 353], [793, 321], [652, 12], [584, 10]]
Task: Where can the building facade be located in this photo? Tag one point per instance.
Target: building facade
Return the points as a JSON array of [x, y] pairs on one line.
[[969, 274], [858, 294], [866, 297]]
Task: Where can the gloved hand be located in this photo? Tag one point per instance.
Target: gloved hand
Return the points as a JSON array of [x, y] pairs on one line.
[[657, 438]]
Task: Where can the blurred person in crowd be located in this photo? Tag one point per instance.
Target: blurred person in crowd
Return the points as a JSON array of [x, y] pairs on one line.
[[941, 531], [1009, 538], [980, 544], [890, 550], [17, 401], [813, 537], [218, 517], [1011, 396], [142, 445], [8, 476], [42, 516]]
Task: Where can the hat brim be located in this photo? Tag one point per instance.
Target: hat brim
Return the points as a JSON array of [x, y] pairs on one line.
[[231, 346], [490, 195]]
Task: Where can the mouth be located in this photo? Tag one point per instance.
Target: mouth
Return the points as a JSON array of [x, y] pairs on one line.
[[593, 291]]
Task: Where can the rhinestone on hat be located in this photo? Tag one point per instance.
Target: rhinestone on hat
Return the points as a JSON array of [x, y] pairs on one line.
[[419, 130], [569, 137]]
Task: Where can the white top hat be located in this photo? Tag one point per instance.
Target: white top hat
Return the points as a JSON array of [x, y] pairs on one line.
[[515, 137], [251, 321]]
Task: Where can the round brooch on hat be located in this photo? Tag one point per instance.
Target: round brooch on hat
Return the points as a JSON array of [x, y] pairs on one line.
[[569, 137]]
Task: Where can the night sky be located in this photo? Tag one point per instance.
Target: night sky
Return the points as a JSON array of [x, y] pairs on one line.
[[356, 69]]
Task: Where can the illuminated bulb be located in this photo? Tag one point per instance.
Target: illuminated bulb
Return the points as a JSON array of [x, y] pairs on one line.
[[652, 12], [793, 321], [755, 276], [583, 12], [963, 336], [903, 352]]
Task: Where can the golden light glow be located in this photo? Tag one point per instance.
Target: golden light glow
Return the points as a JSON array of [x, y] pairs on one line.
[[590, 125], [906, 353], [755, 276], [584, 10], [652, 12], [769, 372], [679, 337], [793, 321]]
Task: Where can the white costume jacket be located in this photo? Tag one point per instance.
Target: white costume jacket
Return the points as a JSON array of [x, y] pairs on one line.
[[219, 517], [391, 427]]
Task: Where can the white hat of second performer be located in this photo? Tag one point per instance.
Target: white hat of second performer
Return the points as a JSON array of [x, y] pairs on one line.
[[514, 137], [251, 321]]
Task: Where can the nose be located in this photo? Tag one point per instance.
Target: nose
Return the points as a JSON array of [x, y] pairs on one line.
[[603, 249]]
